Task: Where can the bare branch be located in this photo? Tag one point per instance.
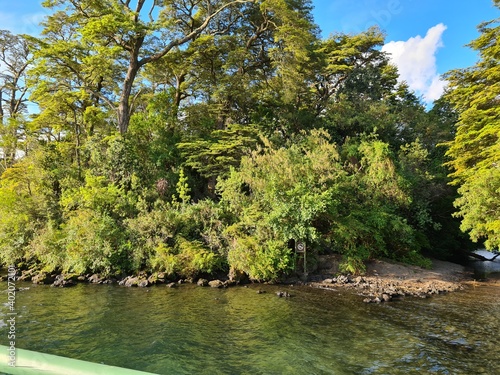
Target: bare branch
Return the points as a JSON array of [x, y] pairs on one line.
[[150, 14], [140, 4], [131, 109], [20, 101]]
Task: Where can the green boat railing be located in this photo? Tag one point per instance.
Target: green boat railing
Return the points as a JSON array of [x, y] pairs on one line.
[[28, 362]]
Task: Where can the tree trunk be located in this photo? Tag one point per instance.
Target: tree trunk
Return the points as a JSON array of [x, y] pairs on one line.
[[1, 108], [124, 105], [179, 80], [124, 110]]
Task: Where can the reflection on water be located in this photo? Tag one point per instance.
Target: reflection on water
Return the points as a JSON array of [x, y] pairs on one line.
[[483, 268], [194, 330]]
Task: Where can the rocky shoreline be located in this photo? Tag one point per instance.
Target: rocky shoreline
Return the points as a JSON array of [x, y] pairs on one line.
[[142, 280], [387, 280], [377, 290], [384, 281]]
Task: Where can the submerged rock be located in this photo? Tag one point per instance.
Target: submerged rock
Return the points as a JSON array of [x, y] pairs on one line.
[[283, 294], [131, 281], [64, 281], [43, 278], [216, 284], [202, 282]]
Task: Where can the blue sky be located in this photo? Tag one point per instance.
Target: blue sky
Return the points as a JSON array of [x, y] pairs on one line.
[[425, 37]]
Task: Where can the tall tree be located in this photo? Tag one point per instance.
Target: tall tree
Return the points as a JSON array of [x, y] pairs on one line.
[[15, 58], [137, 33], [124, 37], [475, 151]]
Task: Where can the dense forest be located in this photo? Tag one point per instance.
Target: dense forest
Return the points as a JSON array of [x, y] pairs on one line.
[[192, 137]]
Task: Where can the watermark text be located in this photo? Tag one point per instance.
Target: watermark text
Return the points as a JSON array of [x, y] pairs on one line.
[[11, 314]]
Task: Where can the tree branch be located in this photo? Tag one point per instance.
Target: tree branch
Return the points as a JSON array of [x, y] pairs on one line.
[[191, 35], [132, 102], [483, 258]]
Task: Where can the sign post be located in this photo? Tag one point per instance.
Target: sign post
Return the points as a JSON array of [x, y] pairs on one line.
[[300, 247]]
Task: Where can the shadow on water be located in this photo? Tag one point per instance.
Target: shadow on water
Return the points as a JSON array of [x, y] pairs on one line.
[[198, 330]]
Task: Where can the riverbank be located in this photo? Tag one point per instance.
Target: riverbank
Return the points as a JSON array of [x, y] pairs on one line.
[[384, 281], [249, 329], [387, 280]]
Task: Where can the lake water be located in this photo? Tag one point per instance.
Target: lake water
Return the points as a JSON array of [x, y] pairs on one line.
[[483, 268], [195, 330]]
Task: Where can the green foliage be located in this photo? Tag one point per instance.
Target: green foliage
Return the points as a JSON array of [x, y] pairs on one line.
[[164, 259], [277, 195], [417, 259], [195, 258], [28, 200], [100, 196], [353, 265], [16, 228], [144, 110], [261, 259], [183, 188], [93, 242], [371, 221], [303, 192], [181, 241], [479, 206], [214, 155], [475, 151], [47, 249]]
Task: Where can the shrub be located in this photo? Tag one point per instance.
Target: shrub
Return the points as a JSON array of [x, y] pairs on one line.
[[179, 238], [94, 242]]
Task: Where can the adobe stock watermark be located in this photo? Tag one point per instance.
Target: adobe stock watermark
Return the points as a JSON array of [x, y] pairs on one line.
[[381, 16], [384, 16], [11, 314]]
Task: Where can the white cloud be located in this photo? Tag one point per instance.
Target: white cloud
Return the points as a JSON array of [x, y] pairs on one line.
[[416, 62]]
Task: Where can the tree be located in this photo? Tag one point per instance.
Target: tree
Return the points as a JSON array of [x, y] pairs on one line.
[[356, 91], [15, 58], [305, 191], [279, 194], [475, 151], [135, 34]]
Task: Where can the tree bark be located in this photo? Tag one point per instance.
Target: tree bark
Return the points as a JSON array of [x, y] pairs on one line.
[[124, 107], [1, 108]]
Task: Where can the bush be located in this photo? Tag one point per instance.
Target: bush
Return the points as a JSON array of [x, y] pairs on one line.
[[47, 249], [278, 194], [94, 242], [304, 192], [179, 239]]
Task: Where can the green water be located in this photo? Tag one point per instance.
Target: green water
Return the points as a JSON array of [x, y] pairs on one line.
[[194, 330]]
